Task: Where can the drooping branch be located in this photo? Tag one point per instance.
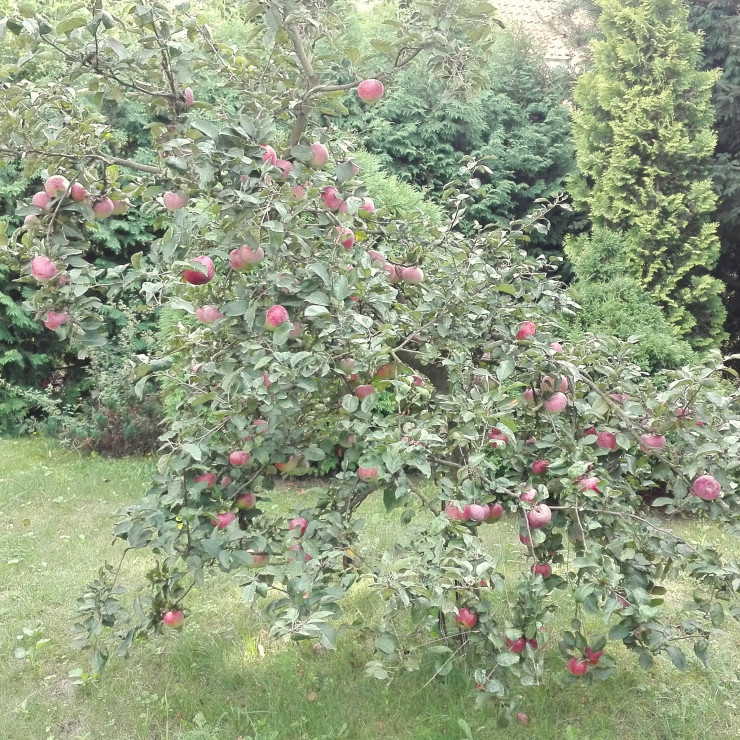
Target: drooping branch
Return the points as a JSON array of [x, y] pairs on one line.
[[630, 424]]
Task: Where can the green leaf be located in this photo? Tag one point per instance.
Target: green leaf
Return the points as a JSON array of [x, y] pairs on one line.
[[280, 335], [619, 632], [385, 643], [645, 660], [677, 657], [345, 171], [507, 659], [313, 311], [350, 403], [320, 269], [505, 368], [70, 25], [181, 304], [193, 450], [206, 127]]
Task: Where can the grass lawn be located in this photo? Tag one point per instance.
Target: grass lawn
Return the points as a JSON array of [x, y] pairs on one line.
[[221, 679]]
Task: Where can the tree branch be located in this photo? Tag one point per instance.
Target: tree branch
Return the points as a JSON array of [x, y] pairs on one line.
[[630, 424], [300, 50], [107, 159]]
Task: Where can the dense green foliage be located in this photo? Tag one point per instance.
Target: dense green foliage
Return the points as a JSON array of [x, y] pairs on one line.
[[41, 379], [28, 357], [719, 22], [518, 127], [615, 304], [109, 417], [643, 146]]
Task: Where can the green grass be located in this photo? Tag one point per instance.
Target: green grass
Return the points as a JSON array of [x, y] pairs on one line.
[[220, 678]]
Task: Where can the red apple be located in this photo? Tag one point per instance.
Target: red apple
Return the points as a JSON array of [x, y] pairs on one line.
[[343, 235], [78, 193], [173, 618], [208, 314], [376, 256], [496, 438], [174, 201], [223, 519], [320, 156], [466, 618], [526, 329], [275, 316], [516, 646], [370, 91], [412, 275], [540, 466], [367, 473], [208, 478], [104, 207], [652, 441], [330, 196], [56, 185], [245, 258], [386, 371], [245, 501], [556, 403], [706, 487], [593, 657], [522, 718], [577, 667], [196, 277], [539, 516], [239, 457], [42, 268], [544, 569], [476, 512], [588, 484], [41, 199], [606, 440], [453, 512], [363, 391], [54, 320], [268, 154], [299, 523], [495, 512]]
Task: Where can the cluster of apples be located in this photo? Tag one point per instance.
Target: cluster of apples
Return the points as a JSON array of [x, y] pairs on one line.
[[58, 186]]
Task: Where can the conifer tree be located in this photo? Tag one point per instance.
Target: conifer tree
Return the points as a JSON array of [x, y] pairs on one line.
[[719, 20], [644, 142]]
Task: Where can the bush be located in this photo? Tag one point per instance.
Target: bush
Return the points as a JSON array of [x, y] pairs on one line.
[[109, 418], [615, 304]]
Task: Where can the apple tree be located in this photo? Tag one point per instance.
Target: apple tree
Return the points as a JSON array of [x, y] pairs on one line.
[[297, 299]]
